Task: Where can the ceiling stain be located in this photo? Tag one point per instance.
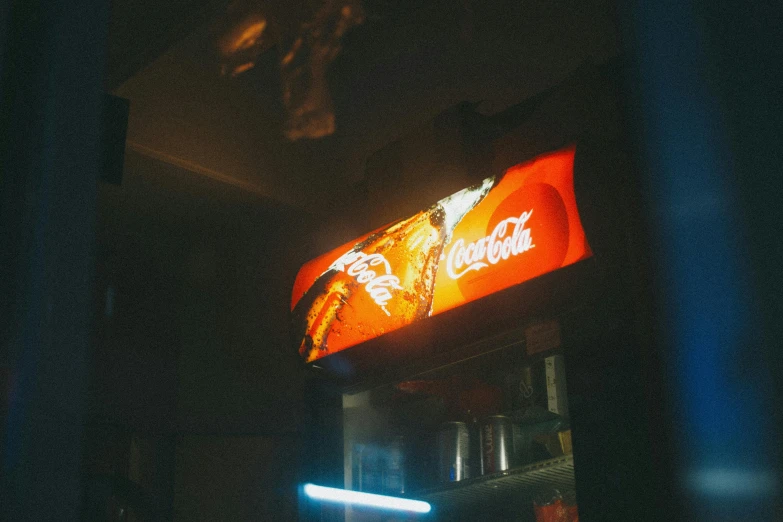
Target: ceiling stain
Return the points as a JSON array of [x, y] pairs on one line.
[[308, 40]]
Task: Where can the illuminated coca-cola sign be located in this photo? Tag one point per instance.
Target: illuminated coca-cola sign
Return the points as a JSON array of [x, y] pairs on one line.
[[502, 232]]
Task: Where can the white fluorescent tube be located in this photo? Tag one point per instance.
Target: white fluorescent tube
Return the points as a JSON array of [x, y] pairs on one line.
[[344, 496]]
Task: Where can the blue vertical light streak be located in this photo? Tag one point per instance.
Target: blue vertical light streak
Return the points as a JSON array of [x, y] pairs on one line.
[[718, 378]]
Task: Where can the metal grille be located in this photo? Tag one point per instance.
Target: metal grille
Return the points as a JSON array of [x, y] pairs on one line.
[[517, 485]]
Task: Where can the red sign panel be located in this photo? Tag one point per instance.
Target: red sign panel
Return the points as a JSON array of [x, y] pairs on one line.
[[504, 231]]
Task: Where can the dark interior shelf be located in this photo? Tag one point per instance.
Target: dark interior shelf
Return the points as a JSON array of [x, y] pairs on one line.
[[518, 484]]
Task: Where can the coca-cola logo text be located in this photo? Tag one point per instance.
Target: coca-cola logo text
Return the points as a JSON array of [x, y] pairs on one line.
[[358, 265], [492, 249]]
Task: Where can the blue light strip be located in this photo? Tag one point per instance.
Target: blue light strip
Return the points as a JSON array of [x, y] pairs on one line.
[[344, 496]]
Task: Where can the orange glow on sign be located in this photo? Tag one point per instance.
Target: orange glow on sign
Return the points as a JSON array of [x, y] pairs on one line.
[[497, 234]]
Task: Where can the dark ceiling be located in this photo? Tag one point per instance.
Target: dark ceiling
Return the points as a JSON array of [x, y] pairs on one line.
[[141, 30], [406, 63]]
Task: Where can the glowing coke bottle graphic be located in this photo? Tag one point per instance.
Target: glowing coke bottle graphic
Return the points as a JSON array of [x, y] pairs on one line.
[[382, 283]]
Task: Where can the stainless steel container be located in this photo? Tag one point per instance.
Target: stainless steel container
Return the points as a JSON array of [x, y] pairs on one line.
[[453, 452], [497, 444]]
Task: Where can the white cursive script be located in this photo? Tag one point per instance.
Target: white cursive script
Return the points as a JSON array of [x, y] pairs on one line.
[[357, 265], [491, 249]]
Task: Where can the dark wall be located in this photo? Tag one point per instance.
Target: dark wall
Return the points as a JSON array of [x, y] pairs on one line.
[[200, 278], [192, 339], [235, 478]]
